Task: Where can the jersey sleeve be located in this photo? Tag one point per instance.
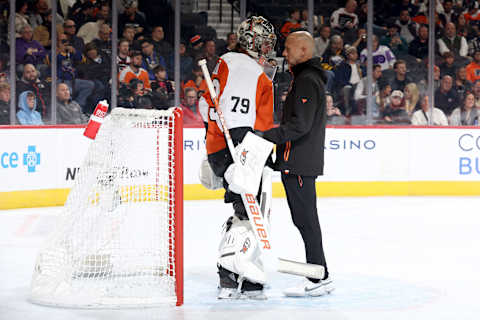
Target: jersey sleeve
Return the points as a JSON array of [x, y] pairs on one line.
[[264, 103], [220, 76]]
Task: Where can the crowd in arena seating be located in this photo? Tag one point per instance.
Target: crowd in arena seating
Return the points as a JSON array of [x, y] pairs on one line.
[[146, 68]]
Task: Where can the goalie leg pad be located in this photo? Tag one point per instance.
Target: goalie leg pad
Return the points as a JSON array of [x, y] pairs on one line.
[[239, 253], [207, 177]]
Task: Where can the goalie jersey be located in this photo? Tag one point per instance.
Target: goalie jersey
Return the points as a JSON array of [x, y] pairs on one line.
[[245, 96]]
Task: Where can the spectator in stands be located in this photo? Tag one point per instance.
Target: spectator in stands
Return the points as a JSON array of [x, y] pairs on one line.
[[466, 114], [21, 18], [382, 99], [231, 43], [419, 46], [448, 15], [104, 13], [476, 93], [450, 41], [90, 30], [473, 13], [68, 110], [41, 33], [425, 116], [401, 79], [408, 28], [344, 19], [69, 29], [151, 58], [210, 55], [103, 43], [448, 67], [189, 106], [123, 57], [334, 115], [196, 50], [394, 40], [4, 103], [446, 98], [27, 49], [395, 112], [126, 96], [405, 5], [474, 43], [436, 77], [190, 101], [82, 13], [322, 41], [162, 47], [382, 55], [304, 20], [361, 93], [30, 81], [129, 35], [40, 11], [347, 75], [465, 28], [4, 74], [195, 80], [292, 24], [361, 42], [135, 71], [97, 68], [131, 17], [334, 54], [67, 59], [163, 90], [186, 62], [462, 84], [27, 115], [473, 68], [412, 95]]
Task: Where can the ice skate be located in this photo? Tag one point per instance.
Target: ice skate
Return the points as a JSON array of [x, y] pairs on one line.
[[310, 289], [229, 294]]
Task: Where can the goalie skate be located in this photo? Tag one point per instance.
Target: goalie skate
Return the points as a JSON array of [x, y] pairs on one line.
[[234, 294]]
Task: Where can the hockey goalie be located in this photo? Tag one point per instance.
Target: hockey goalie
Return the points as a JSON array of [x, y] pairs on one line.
[[245, 97]]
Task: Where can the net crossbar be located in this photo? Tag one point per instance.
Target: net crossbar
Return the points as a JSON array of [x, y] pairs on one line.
[[118, 241]]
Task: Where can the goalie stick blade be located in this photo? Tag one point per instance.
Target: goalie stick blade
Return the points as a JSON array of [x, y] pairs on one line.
[[314, 271]]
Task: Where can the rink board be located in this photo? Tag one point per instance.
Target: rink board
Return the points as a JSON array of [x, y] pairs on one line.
[[38, 165]]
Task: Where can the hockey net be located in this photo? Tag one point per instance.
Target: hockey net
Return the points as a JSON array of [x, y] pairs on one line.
[[118, 241]]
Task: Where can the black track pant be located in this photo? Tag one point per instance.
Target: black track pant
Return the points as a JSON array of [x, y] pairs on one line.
[[302, 200]]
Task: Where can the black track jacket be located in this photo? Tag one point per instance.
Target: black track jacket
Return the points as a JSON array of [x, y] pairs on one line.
[[300, 138]]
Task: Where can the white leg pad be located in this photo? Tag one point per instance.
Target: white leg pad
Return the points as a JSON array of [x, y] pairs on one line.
[[239, 252]]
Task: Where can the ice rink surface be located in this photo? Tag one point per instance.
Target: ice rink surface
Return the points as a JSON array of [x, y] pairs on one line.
[[391, 258]]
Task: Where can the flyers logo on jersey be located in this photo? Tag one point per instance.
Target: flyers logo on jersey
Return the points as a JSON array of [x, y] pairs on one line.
[[243, 156], [304, 100]]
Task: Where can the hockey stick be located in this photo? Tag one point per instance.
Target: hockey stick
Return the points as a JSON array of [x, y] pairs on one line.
[[259, 226]]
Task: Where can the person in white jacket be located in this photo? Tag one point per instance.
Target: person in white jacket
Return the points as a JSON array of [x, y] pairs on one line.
[[422, 116]]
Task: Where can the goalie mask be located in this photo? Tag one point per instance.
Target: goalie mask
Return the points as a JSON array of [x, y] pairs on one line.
[[257, 36]]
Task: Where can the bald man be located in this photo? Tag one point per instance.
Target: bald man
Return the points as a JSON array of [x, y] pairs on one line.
[[300, 140]]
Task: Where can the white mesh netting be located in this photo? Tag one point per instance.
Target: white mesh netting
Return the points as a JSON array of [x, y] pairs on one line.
[[113, 245]]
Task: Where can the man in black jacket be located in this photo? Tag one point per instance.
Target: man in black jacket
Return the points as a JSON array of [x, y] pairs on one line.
[[300, 141]]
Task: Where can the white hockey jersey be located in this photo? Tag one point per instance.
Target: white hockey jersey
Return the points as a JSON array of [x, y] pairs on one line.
[[245, 98]]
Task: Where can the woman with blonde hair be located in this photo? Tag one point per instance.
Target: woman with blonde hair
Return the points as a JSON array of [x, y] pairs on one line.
[[412, 95]]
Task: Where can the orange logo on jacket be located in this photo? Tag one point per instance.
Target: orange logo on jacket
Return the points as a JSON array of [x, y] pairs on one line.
[[304, 100]]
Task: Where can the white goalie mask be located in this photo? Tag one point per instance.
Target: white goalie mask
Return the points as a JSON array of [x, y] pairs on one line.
[[257, 36]]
